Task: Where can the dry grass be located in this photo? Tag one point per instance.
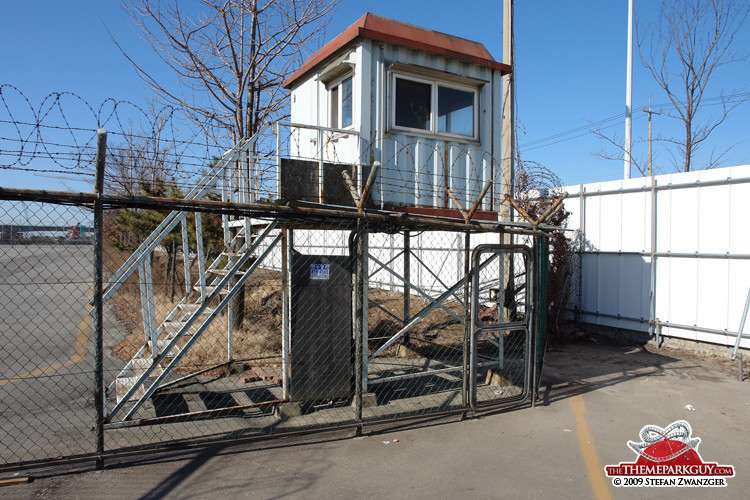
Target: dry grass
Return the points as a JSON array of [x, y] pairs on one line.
[[260, 336], [429, 337]]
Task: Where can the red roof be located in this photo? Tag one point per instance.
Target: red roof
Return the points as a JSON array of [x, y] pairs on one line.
[[387, 30]]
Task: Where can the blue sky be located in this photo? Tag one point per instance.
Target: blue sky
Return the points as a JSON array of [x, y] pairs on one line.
[[570, 70]]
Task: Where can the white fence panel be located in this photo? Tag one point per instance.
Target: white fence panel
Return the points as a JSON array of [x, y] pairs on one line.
[[701, 247]]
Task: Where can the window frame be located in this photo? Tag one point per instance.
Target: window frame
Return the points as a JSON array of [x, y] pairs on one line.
[[338, 86], [435, 83]]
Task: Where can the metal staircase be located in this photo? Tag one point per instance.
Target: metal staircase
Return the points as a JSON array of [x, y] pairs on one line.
[[184, 325], [241, 178], [173, 326], [166, 343]]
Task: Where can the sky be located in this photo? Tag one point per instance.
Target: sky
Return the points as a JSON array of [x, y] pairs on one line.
[[570, 73]]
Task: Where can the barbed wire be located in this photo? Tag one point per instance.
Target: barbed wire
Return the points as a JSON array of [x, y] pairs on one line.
[[59, 137], [59, 134]]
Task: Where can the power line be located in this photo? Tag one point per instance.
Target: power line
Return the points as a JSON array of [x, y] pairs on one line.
[[586, 129]]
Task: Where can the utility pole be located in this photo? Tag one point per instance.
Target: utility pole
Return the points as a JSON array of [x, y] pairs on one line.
[[650, 112], [629, 93], [508, 122]]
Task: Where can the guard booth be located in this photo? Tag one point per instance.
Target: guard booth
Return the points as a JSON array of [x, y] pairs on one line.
[[427, 106], [423, 108]]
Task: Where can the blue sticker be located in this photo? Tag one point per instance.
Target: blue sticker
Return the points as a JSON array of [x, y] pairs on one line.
[[320, 271]]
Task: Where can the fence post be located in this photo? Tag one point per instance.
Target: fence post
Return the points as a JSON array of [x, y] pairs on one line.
[[286, 297], [360, 254], [652, 270], [101, 149], [467, 320], [541, 257], [407, 281]]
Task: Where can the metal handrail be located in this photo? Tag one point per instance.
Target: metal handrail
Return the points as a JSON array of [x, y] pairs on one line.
[[170, 222]]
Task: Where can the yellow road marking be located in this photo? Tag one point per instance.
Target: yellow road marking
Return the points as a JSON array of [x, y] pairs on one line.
[[79, 349], [79, 353], [594, 468], [9, 481]]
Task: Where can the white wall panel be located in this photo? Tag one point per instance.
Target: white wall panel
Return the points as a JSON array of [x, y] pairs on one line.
[[590, 280], [664, 220], [739, 285], [685, 205], [592, 236], [712, 290], [634, 284], [712, 225], [702, 214], [636, 210], [608, 284], [610, 223], [739, 236], [683, 293]]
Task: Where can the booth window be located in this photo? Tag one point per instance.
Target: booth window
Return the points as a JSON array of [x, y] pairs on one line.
[[340, 103], [434, 107]]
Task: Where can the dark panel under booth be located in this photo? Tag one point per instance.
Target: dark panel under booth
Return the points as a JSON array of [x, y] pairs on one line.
[[299, 182], [321, 327]]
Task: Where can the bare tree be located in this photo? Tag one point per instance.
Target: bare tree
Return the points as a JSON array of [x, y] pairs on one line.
[[146, 154], [693, 39], [229, 59], [616, 144]]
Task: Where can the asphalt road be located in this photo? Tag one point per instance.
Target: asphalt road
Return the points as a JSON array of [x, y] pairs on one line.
[[46, 351], [44, 292], [595, 398]]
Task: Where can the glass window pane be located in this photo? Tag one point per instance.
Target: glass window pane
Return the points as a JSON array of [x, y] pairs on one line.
[[413, 102], [455, 111], [346, 103], [335, 107]]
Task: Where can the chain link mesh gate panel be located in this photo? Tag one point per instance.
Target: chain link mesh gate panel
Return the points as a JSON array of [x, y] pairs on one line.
[[501, 325], [416, 322]]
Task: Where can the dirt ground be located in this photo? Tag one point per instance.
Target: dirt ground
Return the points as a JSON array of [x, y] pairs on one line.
[[260, 337]]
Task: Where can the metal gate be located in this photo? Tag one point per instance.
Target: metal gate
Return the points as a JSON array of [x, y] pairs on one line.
[[341, 329], [501, 326]]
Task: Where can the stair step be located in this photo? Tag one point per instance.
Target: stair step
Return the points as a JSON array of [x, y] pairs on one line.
[[210, 289], [233, 254], [193, 308], [224, 272], [123, 385], [161, 345], [174, 327], [237, 223], [138, 367]]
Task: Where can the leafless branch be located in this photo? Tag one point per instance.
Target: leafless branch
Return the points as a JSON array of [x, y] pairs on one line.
[[228, 60], [615, 150], [690, 42]]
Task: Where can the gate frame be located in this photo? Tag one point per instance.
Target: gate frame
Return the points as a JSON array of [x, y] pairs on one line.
[[527, 325]]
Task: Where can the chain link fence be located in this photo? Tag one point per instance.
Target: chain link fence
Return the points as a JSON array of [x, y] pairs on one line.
[[315, 321], [46, 361]]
